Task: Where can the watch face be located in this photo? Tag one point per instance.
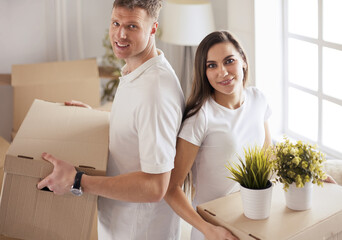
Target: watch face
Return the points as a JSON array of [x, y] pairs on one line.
[[75, 191]]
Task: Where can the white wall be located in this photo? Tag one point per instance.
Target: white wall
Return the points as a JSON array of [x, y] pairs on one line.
[[268, 58], [258, 26], [34, 31], [240, 18]]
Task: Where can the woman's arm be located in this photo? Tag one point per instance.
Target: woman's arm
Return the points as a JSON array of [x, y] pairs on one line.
[[268, 138], [176, 198]]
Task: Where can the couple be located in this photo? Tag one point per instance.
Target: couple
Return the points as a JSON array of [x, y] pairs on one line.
[[147, 166]]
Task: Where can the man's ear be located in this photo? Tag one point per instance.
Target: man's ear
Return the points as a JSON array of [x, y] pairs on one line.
[[154, 28]]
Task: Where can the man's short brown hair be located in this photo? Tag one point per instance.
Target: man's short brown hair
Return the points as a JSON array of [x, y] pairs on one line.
[[152, 7]]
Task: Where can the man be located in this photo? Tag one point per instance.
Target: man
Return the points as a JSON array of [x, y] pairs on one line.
[[145, 119]]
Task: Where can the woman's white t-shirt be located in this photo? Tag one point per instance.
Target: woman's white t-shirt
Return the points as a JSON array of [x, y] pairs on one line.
[[221, 133]]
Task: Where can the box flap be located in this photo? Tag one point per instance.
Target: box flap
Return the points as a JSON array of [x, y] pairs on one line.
[[4, 145], [55, 82], [74, 134]]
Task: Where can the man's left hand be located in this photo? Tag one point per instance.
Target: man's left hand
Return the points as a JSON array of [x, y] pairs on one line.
[[62, 177]]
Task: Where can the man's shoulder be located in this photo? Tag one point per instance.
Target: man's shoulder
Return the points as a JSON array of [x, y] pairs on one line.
[[161, 70]]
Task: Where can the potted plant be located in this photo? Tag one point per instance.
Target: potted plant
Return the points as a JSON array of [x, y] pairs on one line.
[[111, 68], [298, 165], [253, 174]]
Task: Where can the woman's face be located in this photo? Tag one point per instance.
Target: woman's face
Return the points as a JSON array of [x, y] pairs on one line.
[[224, 68]]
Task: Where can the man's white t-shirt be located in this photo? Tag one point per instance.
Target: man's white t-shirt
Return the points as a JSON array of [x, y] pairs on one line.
[[221, 133], [144, 123]]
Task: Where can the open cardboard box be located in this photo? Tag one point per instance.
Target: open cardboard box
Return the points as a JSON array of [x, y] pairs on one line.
[[322, 221], [55, 82], [76, 135]]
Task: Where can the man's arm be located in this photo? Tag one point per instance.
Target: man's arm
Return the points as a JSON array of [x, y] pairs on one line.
[[130, 187]]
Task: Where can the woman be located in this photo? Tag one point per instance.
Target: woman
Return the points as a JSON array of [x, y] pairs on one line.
[[221, 117]]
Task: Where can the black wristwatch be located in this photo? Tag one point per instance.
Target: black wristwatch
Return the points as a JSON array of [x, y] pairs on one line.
[[76, 189]]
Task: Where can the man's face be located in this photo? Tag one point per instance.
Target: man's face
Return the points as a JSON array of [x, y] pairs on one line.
[[130, 33]]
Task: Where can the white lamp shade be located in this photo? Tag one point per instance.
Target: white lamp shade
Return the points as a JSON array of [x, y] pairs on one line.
[[186, 23]]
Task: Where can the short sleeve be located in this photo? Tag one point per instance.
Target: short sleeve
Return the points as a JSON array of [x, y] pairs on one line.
[[262, 102], [194, 128], [158, 121]]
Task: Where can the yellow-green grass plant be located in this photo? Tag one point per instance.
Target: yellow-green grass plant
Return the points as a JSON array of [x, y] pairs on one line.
[[255, 171]]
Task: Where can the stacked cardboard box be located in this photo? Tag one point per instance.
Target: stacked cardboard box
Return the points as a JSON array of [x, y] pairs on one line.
[[76, 135], [54, 82]]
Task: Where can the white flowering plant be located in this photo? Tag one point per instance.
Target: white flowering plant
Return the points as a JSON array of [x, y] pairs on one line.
[[298, 163]]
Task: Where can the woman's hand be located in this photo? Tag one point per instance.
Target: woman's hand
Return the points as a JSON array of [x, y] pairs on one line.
[[76, 104], [329, 179], [219, 233]]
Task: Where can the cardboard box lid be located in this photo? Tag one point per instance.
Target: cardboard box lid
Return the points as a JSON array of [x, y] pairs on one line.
[[55, 82], [74, 134], [283, 223]]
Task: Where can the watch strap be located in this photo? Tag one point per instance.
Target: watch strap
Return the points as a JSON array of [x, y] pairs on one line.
[[77, 182]]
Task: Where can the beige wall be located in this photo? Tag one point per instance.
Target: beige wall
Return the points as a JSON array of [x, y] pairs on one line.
[[47, 30]]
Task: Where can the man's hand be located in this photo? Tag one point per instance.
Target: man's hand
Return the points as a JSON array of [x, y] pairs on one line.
[[61, 178], [76, 104]]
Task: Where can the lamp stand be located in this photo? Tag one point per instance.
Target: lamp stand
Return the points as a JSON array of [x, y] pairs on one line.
[[186, 77]]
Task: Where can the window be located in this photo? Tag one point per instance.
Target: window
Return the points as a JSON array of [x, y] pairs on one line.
[[313, 72]]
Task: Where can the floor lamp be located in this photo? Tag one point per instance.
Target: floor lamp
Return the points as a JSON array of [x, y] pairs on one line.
[[186, 23]]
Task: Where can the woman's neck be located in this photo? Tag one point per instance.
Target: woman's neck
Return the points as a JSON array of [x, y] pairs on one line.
[[231, 101]]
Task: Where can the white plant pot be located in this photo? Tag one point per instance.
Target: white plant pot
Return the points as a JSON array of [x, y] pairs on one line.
[[256, 202], [299, 199]]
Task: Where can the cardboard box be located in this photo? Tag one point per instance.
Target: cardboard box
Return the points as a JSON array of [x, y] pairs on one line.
[[93, 234], [323, 221], [107, 106], [76, 135], [6, 106], [4, 145], [55, 82]]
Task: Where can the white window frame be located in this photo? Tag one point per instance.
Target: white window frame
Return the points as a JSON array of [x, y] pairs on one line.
[[319, 93]]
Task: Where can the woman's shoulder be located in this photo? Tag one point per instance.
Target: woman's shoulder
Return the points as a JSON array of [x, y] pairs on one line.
[[254, 92]]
